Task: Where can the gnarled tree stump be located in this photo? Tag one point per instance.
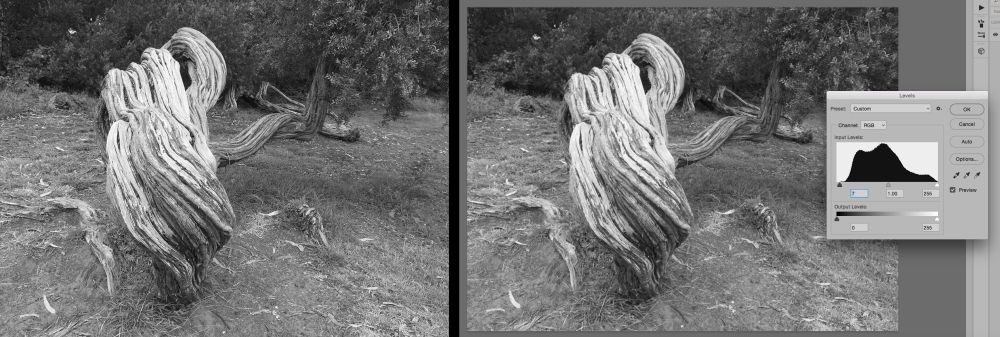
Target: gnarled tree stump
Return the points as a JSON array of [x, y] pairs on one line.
[[161, 167], [161, 173], [621, 165]]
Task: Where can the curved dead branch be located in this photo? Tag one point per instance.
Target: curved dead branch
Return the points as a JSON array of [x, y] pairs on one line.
[[206, 67], [665, 73]]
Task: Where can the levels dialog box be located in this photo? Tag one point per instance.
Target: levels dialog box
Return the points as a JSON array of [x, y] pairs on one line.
[[907, 165]]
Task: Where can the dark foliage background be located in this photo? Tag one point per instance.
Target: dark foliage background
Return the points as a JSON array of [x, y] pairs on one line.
[[382, 51], [535, 50]]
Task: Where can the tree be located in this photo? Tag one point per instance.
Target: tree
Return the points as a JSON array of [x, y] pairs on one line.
[[381, 47]]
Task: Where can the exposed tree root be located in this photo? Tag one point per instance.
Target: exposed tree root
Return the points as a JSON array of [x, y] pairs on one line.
[[96, 236], [559, 231]]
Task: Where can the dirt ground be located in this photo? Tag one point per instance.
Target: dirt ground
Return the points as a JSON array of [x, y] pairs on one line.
[[384, 202], [737, 280]]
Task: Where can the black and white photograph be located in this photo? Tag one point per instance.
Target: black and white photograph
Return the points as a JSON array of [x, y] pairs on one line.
[[224, 168], [665, 169]]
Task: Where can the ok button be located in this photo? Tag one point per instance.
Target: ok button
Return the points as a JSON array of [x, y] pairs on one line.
[[967, 124], [972, 109]]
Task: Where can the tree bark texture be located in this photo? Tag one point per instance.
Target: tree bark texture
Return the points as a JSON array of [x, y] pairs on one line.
[[622, 168]]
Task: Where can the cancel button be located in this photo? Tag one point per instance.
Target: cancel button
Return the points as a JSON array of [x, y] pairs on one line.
[[966, 159], [966, 141], [967, 124]]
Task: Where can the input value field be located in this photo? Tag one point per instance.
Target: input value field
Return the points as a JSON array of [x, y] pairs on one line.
[[889, 107]]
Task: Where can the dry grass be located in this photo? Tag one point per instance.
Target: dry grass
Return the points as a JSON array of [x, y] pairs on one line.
[[268, 285], [18, 98], [820, 284]]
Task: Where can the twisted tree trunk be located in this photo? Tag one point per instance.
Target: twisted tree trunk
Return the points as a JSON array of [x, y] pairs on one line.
[[230, 95], [338, 128], [621, 165], [793, 131], [161, 167]]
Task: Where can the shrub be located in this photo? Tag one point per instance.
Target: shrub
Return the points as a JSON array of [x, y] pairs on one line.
[[485, 100], [18, 97]]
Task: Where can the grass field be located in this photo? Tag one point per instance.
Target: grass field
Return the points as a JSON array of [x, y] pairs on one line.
[[808, 283], [384, 202]]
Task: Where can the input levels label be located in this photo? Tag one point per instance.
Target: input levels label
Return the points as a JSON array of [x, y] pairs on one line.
[[894, 193]]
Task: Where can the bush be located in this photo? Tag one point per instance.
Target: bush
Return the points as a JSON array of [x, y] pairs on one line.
[[395, 107], [485, 100], [19, 97]]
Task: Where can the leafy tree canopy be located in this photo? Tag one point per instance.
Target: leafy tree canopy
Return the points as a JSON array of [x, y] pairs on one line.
[[535, 50], [382, 51]]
